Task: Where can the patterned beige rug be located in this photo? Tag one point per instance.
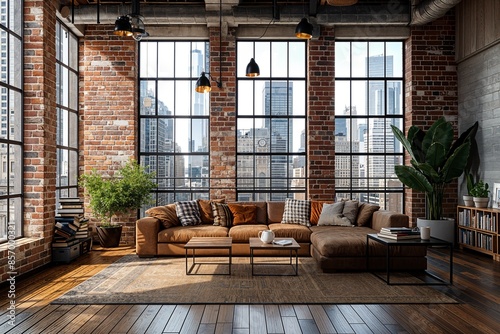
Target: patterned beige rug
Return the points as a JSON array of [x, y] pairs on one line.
[[132, 280]]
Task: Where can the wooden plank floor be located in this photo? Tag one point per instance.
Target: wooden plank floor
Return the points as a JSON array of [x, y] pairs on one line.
[[476, 287]]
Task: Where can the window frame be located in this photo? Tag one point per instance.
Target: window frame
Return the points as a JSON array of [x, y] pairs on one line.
[[171, 189], [369, 193], [269, 187], [10, 228], [71, 148]]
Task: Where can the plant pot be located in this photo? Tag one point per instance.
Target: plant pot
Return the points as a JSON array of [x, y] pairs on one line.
[[443, 229], [468, 201], [109, 236], [481, 202]]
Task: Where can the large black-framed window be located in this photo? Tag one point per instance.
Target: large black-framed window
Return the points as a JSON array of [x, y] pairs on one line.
[[11, 120], [174, 118], [271, 121], [67, 111], [369, 98]]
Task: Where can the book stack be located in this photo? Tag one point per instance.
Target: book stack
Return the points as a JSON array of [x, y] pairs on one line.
[[70, 224], [70, 207], [399, 233]]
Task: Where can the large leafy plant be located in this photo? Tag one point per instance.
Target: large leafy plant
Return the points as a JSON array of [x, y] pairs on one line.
[[436, 160], [128, 189]]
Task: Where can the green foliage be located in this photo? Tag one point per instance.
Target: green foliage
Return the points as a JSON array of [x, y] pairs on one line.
[[435, 160], [128, 189], [480, 189]]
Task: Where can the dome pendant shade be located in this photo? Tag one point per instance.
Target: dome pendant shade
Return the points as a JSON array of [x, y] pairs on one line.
[[253, 69], [203, 84], [122, 26], [304, 29]]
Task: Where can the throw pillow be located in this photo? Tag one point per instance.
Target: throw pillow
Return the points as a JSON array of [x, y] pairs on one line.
[[335, 220], [206, 212], [365, 213], [222, 214], [165, 214], [188, 212], [351, 210], [329, 211], [316, 207], [243, 214], [297, 212]]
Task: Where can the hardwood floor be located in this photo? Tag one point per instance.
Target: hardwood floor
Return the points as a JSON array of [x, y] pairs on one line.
[[476, 287]]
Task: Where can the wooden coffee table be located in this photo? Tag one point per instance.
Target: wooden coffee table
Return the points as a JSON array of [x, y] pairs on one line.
[[207, 243], [256, 244]]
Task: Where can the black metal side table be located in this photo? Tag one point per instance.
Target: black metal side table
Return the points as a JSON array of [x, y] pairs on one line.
[[388, 243]]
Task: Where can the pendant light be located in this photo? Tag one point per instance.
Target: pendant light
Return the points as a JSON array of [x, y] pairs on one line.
[[131, 24], [122, 26], [203, 82], [304, 29], [253, 69]]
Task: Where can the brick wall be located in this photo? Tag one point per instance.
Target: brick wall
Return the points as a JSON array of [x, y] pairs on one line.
[[39, 165], [321, 111], [431, 92], [108, 107], [223, 116]]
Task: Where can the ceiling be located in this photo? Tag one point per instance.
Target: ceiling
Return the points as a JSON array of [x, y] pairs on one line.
[[245, 12], [237, 13]]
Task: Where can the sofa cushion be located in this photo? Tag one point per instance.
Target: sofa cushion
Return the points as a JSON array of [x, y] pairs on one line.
[[275, 211], [241, 233], [335, 220], [206, 212], [243, 214], [222, 214], [165, 214], [333, 241], [297, 212], [300, 233], [182, 234], [365, 214], [316, 208], [188, 212], [351, 210]]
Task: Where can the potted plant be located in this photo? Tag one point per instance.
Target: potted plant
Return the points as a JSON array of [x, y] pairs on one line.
[[468, 199], [129, 188], [480, 194], [436, 160]]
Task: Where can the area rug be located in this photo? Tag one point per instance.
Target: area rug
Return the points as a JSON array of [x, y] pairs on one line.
[[134, 280]]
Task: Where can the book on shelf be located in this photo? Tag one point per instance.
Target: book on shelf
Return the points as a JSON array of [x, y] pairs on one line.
[[398, 236], [282, 242]]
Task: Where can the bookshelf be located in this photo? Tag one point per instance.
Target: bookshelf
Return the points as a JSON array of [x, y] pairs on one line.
[[478, 229]]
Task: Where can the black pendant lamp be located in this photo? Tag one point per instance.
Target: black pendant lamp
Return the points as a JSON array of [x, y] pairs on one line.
[[253, 69], [203, 84], [122, 26], [304, 29]]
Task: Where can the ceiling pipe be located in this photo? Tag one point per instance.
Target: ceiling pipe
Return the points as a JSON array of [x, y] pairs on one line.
[[427, 11]]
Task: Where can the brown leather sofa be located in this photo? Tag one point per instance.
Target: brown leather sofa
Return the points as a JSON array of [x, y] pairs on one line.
[[335, 248]]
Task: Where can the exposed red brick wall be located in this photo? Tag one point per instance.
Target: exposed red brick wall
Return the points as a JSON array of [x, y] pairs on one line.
[[40, 137], [321, 111], [108, 106], [431, 92], [223, 116]]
